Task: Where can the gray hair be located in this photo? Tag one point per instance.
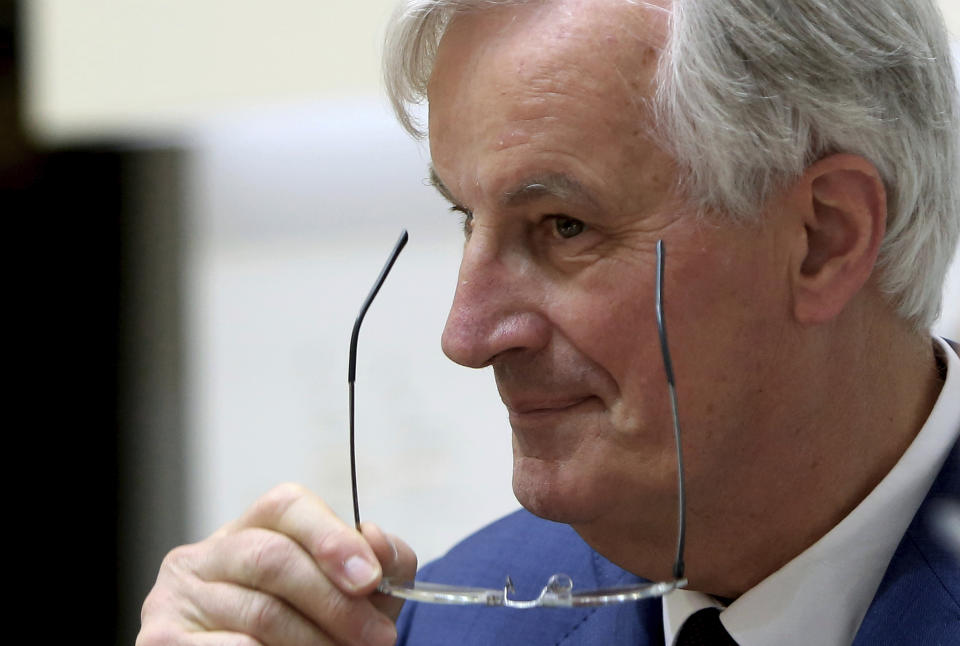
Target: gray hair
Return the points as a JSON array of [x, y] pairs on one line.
[[751, 92]]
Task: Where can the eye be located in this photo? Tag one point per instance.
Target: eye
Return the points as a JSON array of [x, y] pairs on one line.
[[567, 227]]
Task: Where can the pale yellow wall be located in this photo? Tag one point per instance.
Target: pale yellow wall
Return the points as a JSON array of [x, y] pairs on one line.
[[105, 67]]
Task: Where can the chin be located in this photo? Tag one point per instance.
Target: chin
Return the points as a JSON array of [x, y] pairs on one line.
[[558, 491]]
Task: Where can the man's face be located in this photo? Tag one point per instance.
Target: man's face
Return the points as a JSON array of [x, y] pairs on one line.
[[539, 130]]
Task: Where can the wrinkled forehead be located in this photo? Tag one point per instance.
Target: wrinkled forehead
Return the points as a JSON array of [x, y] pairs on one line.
[[533, 40]]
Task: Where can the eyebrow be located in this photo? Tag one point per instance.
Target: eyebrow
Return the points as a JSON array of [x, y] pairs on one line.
[[556, 185], [438, 184]]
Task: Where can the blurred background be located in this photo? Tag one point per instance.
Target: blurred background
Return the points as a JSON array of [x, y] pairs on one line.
[[199, 195]]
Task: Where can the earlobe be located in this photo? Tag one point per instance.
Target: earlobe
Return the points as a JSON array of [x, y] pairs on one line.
[[843, 205]]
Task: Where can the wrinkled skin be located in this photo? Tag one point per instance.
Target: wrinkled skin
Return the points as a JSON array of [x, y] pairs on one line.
[[279, 576]]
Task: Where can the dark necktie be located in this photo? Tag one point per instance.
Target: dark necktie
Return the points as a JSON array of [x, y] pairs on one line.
[[703, 628]]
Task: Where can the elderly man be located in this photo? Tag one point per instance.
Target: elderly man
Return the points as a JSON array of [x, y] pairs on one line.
[[800, 162]]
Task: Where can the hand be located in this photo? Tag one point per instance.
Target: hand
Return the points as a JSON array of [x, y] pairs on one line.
[[287, 572]]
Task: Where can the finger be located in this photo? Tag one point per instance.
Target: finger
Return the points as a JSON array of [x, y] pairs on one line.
[[170, 617], [405, 567], [398, 562], [161, 636], [339, 550], [168, 609], [271, 563], [221, 638], [232, 609], [396, 558]]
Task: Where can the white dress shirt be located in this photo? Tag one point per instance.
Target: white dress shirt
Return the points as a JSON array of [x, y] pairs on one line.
[[822, 595]]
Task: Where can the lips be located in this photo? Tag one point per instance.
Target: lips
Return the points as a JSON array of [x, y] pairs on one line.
[[539, 406], [551, 428]]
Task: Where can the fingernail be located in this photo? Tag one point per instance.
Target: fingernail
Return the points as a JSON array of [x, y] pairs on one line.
[[360, 572], [379, 632], [393, 546]]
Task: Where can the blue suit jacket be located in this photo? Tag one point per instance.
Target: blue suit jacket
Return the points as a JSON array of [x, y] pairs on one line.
[[918, 601]]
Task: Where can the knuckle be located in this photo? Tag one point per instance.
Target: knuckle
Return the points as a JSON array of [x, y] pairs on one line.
[[150, 605], [279, 499], [176, 568], [180, 557], [284, 495], [275, 503], [264, 614], [341, 611], [269, 558]]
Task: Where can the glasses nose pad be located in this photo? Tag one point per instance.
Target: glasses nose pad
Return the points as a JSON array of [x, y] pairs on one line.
[[558, 592], [559, 584]]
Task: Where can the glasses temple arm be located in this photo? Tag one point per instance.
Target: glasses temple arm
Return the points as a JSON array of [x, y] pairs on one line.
[[678, 564], [397, 248], [352, 368]]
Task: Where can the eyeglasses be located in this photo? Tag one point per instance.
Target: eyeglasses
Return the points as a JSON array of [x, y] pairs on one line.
[[558, 592]]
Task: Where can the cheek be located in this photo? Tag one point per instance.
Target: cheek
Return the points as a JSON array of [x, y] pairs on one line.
[[726, 305], [613, 327], [725, 321], [617, 331]]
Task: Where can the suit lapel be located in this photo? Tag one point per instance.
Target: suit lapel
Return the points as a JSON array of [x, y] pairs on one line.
[[918, 601]]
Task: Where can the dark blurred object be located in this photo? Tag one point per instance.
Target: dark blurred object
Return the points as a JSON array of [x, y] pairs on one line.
[[17, 158], [93, 251]]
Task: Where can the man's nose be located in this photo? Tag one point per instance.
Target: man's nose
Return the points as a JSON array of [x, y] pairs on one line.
[[496, 307]]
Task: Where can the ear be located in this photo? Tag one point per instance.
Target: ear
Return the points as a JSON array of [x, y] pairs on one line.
[[843, 205]]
